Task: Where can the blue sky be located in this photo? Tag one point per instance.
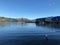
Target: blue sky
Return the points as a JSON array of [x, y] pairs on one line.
[[29, 8]]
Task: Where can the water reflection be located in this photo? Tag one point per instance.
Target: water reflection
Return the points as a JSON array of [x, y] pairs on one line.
[[49, 26], [28, 34], [4, 24]]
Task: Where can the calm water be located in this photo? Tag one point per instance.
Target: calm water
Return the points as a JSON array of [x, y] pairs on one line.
[[29, 34]]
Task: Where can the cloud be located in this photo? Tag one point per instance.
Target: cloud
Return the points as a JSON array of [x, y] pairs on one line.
[[50, 4]]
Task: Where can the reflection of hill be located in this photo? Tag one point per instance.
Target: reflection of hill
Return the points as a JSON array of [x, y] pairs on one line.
[[4, 24], [50, 26]]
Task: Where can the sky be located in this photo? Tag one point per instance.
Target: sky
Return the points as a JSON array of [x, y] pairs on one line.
[[29, 8]]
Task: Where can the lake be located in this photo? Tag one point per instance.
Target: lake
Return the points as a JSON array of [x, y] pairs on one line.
[[29, 34]]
